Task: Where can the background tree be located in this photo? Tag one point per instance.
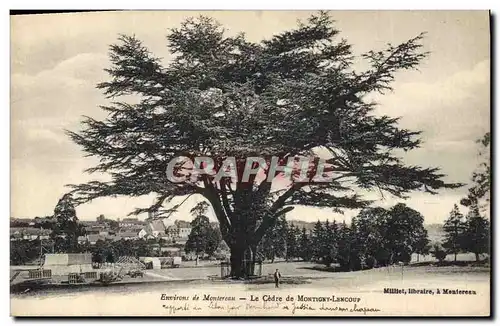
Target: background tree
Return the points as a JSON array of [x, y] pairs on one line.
[[346, 256], [224, 96], [422, 244], [454, 228], [101, 218], [439, 253], [274, 242], [199, 240], [292, 237], [113, 225], [214, 238], [477, 233], [331, 242], [66, 229], [405, 231], [479, 193], [280, 237], [368, 229], [317, 241], [46, 222], [104, 252], [305, 246], [266, 247], [24, 251]]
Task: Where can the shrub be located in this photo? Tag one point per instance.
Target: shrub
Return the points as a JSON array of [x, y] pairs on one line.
[[439, 253]]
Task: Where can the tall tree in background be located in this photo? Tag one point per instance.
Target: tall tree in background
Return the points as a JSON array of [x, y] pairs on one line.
[[66, 229], [405, 231], [203, 239], [305, 245], [477, 233], [224, 96], [266, 247], [317, 241], [479, 193], [292, 244], [454, 227], [273, 244], [280, 237], [101, 218], [197, 242], [331, 241], [346, 256], [422, 244], [368, 228], [214, 240]]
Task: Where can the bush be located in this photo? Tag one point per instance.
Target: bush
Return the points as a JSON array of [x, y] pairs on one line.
[[439, 253], [370, 262]]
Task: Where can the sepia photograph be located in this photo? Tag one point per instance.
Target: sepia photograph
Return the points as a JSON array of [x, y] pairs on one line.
[[250, 163]]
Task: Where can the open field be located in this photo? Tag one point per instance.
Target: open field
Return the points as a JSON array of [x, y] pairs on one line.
[[144, 298], [302, 271], [205, 269]]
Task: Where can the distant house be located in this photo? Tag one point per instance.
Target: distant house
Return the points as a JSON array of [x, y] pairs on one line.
[[40, 220], [183, 230], [171, 251], [153, 229], [29, 233], [134, 229], [21, 222], [176, 232], [127, 235], [143, 234], [89, 223], [93, 238], [131, 222], [94, 229]]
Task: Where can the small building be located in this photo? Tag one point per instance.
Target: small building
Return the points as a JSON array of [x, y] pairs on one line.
[[151, 262], [94, 229], [171, 251], [29, 233], [93, 238], [153, 229], [131, 222], [127, 235], [63, 264]]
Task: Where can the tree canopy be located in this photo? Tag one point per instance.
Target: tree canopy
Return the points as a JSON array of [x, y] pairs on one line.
[[479, 192], [289, 95], [454, 227], [66, 230]]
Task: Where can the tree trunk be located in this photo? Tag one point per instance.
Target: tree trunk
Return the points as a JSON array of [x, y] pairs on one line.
[[237, 256], [477, 256], [455, 257], [254, 258]]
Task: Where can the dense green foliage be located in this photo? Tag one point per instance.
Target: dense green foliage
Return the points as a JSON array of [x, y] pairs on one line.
[[204, 239], [28, 251], [454, 228], [66, 229], [479, 192], [224, 96]]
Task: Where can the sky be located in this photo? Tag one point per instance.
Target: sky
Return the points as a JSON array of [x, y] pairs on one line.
[[57, 60]]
